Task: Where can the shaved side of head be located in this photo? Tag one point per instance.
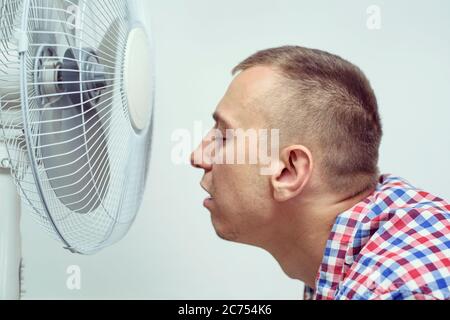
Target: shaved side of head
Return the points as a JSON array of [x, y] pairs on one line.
[[326, 104]]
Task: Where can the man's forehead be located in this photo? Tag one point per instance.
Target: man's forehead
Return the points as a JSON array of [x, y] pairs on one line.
[[254, 82], [245, 93]]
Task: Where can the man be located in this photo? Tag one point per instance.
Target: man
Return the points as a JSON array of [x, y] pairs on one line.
[[324, 212]]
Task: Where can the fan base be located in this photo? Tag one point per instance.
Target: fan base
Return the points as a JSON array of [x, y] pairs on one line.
[[10, 243]]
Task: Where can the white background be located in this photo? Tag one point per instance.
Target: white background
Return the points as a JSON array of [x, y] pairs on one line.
[[172, 251]]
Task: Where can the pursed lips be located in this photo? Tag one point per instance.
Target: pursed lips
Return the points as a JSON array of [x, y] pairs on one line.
[[208, 201]]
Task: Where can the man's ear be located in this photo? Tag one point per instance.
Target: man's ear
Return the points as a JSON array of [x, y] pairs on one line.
[[293, 172]]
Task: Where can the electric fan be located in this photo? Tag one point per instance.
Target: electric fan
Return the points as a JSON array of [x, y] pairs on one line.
[[76, 106]]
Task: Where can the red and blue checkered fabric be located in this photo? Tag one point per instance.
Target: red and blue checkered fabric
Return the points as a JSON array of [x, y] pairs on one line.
[[394, 245]]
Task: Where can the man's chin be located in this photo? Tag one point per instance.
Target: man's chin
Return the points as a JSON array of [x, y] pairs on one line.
[[218, 223], [224, 234], [227, 237]]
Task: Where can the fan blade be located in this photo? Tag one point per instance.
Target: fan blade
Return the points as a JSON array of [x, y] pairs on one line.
[[74, 154]]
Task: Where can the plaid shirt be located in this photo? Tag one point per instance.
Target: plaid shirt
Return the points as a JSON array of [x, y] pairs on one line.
[[393, 245]]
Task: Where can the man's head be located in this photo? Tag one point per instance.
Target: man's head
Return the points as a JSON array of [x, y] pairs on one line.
[[330, 134]]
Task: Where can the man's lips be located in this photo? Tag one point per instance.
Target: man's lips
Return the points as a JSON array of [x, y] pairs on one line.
[[208, 201], [205, 188]]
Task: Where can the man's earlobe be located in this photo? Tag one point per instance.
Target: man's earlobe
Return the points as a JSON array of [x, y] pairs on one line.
[[293, 172]]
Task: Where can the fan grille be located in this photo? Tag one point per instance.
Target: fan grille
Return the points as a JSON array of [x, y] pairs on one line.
[[78, 163]]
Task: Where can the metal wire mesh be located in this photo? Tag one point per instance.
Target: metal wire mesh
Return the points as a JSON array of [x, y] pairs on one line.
[[79, 165]]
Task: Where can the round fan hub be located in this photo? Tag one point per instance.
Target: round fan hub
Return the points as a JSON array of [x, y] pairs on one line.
[[138, 79]]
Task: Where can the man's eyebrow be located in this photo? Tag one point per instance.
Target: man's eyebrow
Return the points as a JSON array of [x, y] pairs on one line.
[[219, 119]]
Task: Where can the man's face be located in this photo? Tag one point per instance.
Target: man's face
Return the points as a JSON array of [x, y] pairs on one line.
[[241, 199]]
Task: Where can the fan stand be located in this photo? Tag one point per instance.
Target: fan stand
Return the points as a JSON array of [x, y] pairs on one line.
[[10, 240]]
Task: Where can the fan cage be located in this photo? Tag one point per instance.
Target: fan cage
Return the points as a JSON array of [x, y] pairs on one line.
[[80, 168]]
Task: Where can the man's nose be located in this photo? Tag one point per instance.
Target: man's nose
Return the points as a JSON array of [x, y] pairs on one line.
[[199, 158]]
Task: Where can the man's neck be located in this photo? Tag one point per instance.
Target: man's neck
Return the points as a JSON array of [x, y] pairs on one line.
[[299, 248]]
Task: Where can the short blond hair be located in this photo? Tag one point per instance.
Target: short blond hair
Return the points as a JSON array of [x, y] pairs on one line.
[[331, 105]]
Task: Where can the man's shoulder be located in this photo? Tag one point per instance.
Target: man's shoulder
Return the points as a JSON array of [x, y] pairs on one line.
[[395, 280], [395, 194], [408, 257], [394, 245], [405, 223], [406, 254]]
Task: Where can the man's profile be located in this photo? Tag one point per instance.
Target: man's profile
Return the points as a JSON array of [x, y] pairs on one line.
[[326, 214]]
